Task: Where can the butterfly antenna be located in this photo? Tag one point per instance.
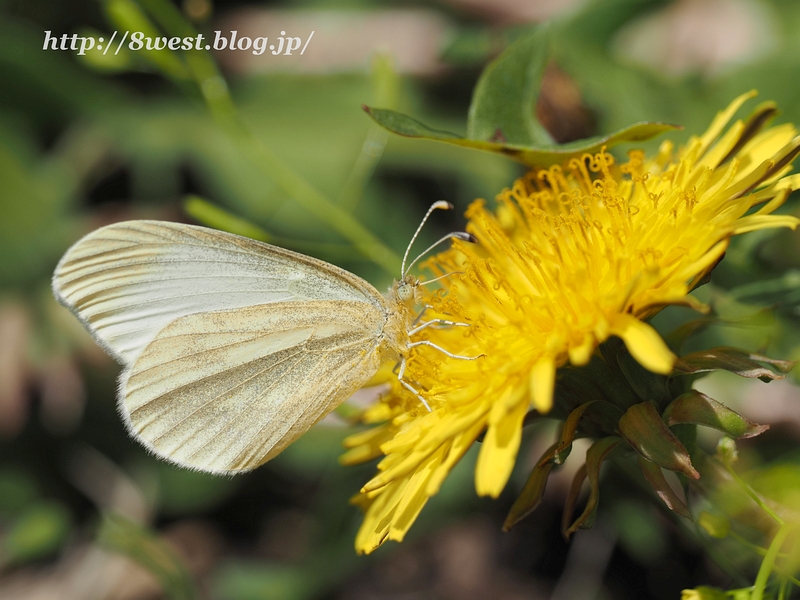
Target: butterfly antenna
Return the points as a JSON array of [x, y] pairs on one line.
[[439, 204], [457, 235], [427, 281]]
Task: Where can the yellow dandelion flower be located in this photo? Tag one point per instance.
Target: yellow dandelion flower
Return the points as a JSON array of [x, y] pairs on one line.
[[572, 255]]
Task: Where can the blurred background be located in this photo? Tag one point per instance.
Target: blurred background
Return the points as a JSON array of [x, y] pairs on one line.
[[90, 140]]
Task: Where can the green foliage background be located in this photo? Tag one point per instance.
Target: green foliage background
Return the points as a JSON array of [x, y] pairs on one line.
[[87, 141]]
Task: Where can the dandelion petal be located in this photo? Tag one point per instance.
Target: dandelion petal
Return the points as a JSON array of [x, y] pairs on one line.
[[644, 344], [543, 379], [499, 451]]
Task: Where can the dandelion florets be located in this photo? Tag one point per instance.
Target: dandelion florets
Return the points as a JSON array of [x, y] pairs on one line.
[[570, 256]]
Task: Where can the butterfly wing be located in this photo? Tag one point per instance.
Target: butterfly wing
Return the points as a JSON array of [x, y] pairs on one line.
[[128, 281], [226, 391]]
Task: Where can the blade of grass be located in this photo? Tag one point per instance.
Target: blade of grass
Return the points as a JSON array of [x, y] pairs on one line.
[[385, 91], [214, 90]]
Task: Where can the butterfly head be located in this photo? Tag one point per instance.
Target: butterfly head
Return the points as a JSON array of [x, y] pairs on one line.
[[407, 290]]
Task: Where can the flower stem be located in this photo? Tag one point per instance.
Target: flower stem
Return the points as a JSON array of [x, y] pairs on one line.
[[216, 95], [763, 552], [768, 564]]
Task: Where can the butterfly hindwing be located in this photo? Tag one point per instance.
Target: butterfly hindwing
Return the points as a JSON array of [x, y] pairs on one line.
[[227, 390]]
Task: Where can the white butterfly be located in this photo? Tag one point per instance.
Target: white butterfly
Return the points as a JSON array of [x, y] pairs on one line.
[[232, 348]]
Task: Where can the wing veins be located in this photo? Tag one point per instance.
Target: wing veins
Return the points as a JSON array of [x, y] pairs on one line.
[[249, 405], [193, 382], [95, 271], [183, 278], [259, 433], [327, 351], [166, 362], [199, 243], [119, 307], [327, 396], [235, 244], [237, 385], [317, 364]]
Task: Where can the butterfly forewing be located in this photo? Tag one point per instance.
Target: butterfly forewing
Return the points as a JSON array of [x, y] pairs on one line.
[[129, 280], [232, 347], [225, 391]]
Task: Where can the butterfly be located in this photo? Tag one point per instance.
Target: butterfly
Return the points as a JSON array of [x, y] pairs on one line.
[[232, 348]]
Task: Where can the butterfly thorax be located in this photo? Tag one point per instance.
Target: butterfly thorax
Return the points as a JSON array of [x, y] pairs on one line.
[[401, 299]]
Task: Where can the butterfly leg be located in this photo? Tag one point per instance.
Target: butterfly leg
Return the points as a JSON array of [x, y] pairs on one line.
[[418, 318], [406, 385], [437, 324], [443, 351]]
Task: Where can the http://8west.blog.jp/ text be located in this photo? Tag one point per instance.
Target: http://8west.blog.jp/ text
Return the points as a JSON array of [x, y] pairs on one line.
[[281, 45]]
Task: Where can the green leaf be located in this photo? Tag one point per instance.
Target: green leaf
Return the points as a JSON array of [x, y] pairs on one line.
[[655, 477], [504, 100], [698, 409], [406, 126], [595, 456], [138, 543], [532, 156], [38, 531], [736, 361], [644, 429]]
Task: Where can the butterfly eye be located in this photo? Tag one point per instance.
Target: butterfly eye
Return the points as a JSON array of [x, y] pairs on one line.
[[405, 292]]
